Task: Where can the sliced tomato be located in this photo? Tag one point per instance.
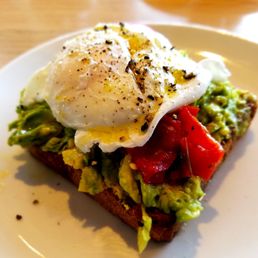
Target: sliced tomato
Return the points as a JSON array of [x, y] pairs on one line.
[[203, 153], [158, 154], [168, 133], [184, 137], [152, 163], [192, 109]]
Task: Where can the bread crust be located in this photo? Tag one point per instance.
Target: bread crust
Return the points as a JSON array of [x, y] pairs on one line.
[[164, 226]]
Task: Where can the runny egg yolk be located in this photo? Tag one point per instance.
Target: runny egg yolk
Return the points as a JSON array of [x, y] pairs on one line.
[[108, 135]]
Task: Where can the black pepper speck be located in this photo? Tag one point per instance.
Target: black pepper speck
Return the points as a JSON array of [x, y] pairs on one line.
[[165, 68], [140, 99], [35, 202], [18, 217], [108, 42], [144, 127]]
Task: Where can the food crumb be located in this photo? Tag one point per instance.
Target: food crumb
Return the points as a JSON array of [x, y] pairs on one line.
[[35, 202], [133, 166], [94, 162], [18, 217]]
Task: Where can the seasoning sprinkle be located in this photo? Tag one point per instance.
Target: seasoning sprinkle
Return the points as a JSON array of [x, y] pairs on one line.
[[109, 42], [140, 99], [94, 162], [144, 127], [165, 68], [173, 87], [18, 217], [35, 202], [150, 97], [122, 139], [131, 65], [174, 116], [189, 76]]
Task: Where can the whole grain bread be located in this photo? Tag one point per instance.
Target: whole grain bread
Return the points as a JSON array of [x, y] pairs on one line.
[[164, 226]]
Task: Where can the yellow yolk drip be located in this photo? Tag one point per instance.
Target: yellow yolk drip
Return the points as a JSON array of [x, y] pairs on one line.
[[118, 133]]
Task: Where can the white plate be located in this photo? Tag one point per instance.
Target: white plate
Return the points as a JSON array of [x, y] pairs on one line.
[[66, 223]]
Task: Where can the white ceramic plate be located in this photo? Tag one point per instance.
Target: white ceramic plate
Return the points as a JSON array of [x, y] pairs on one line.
[[66, 223]]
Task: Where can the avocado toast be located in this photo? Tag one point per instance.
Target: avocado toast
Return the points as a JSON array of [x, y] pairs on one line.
[[155, 196]]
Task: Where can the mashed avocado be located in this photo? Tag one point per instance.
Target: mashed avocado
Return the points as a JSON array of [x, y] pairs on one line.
[[36, 125], [143, 235], [127, 180], [224, 110], [74, 158], [184, 200], [91, 182]]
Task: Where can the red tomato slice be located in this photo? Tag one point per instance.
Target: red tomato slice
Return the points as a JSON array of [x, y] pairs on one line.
[[192, 109], [158, 154], [153, 165], [203, 153], [185, 137]]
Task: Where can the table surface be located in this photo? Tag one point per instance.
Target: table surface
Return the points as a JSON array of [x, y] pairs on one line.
[[27, 23]]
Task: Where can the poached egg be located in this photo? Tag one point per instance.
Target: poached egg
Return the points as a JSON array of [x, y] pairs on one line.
[[113, 83]]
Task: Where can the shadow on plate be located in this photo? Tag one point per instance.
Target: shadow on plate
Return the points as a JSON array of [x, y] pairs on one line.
[[185, 244], [82, 207]]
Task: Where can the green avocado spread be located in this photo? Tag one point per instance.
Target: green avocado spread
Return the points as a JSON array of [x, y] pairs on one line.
[[184, 199], [225, 110], [36, 125]]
